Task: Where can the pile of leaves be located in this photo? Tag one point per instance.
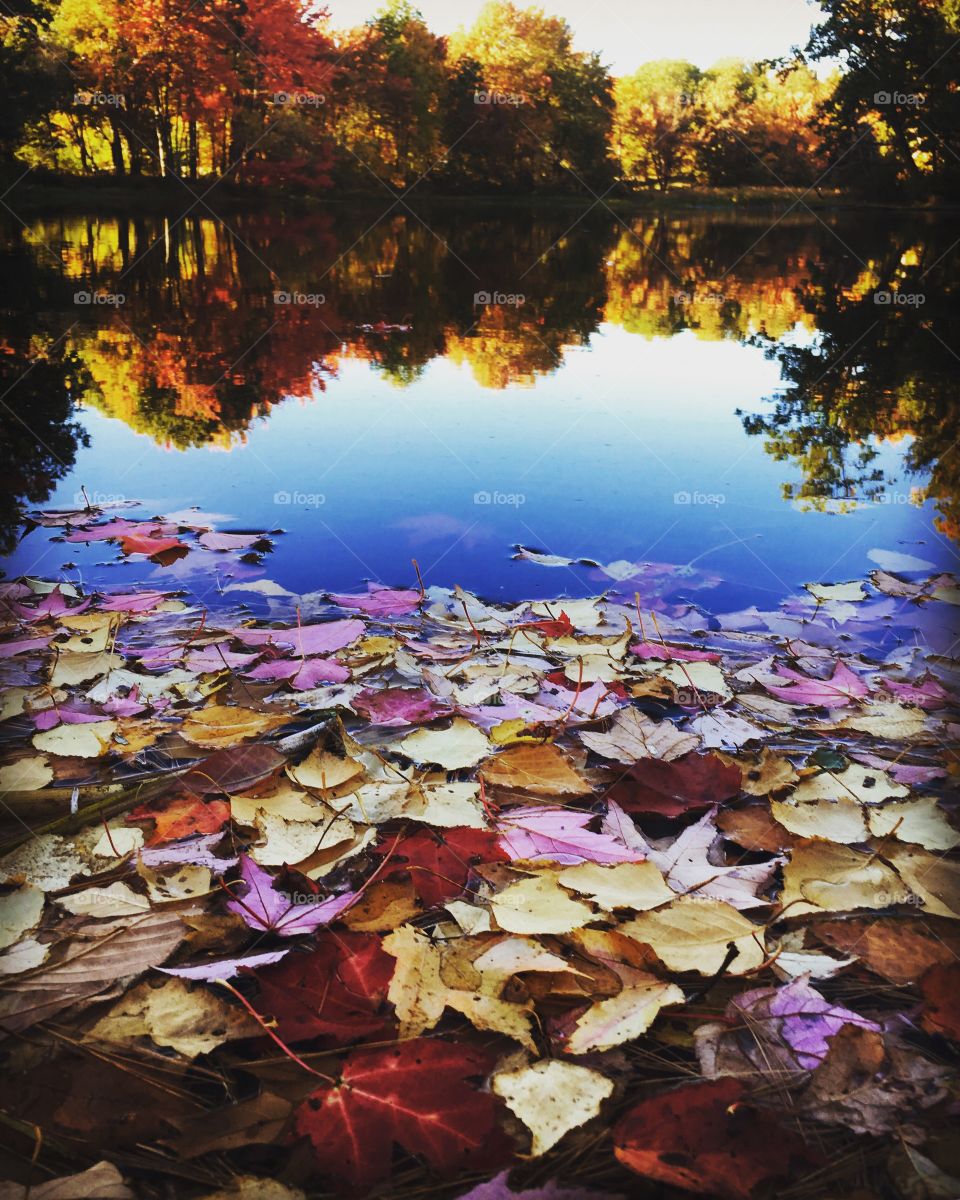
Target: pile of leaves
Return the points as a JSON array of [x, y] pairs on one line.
[[430, 895]]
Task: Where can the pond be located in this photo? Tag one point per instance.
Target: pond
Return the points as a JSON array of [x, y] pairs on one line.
[[757, 400]]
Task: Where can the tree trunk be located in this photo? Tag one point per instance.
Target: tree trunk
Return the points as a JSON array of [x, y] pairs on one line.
[[192, 150], [116, 149]]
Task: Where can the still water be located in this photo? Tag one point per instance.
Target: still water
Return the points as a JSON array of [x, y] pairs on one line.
[[762, 401]]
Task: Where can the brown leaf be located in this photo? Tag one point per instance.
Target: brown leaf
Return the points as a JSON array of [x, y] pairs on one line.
[[385, 906], [251, 1122], [90, 963], [101, 1182], [543, 770], [941, 1000], [754, 828], [871, 1085], [900, 949]]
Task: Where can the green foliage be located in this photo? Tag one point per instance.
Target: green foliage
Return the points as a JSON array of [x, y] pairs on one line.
[[896, 100]]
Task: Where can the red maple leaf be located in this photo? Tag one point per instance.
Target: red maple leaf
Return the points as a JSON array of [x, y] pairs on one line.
[[335, 992], [689, 784], [416, 1094], [439, 861], [557, 627], [182, 817], [703, 1139]]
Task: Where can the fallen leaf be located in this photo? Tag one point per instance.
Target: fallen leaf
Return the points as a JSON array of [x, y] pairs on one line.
[[459, 745], [941, 1010], [20, 911], [898, 949], [90, 965], [181, 817], [262, 907], [687, 866], [221, 726], [688, 784], [696, 935], [636, 885], [190, 1021], [440, 863], [558, 835], [336, 992], [551, 1098], [871, 1086], [542, 769], [703, 1138], [539, 905], [102, 1181], [633, 736], [824, 875], [416, 1094]]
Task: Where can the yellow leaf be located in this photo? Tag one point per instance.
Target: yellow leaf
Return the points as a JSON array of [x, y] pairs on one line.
[[220, 726], [324, 771], [459, 745], [190, 1022], [623, 1017], [625, 885], [551, 1098], [823, 875], [544, 770], [79, 741], [694, 935], [539, 905]]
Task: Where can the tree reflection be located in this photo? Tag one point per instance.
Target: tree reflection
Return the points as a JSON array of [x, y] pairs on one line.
[[203, 342], [883, 366]]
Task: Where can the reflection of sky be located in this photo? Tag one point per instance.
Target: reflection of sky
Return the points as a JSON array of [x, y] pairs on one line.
[[591, 461]]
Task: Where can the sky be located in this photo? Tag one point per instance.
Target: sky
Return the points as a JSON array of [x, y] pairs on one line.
[[627, 33]]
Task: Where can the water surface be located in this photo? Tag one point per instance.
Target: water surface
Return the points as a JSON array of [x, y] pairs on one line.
[[725, 392]]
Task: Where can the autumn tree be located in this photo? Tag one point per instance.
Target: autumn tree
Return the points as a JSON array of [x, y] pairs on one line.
[[655, 122], [390, 97], [550, 105], [760, 125], [896, 103], [32, 80]]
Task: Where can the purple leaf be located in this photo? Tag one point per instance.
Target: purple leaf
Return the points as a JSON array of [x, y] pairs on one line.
[[400, 706], [806, 1020], [380, 601], [559, 835], [226, 968], [262, 907], [133, 602], [229, 541], [321, 638]]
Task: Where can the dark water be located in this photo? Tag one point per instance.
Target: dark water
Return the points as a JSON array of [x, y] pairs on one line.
[[714, 390]]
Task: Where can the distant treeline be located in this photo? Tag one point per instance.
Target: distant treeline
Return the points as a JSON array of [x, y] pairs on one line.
[[264, 93]]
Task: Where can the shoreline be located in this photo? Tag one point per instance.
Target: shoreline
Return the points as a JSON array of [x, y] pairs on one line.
[[154, 197]]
